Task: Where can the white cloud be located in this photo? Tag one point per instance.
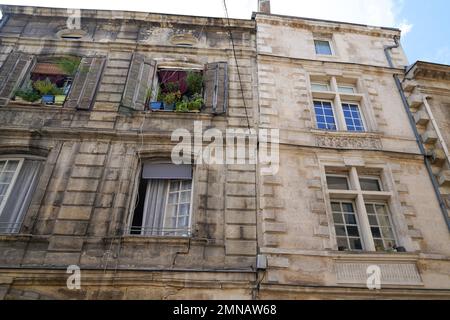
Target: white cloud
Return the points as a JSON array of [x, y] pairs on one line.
[[371, 12]]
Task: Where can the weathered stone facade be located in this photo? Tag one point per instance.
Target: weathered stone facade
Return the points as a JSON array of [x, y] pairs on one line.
[[92, 157]]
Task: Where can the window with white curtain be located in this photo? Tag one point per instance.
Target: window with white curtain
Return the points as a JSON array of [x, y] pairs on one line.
[[164, 201], [18, 180]]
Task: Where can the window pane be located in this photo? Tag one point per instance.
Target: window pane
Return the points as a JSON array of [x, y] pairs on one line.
[[350, 219], [376, 232], [347, 230], [174, 185], [355, 244], [369, 208], [353, 231], [323, 47], [387, 233], [340, 231], [342, 244], [186, 185], [185, 197], [348, 207], [353, 118], [320, 87], [336, 207], [324, 115], [384, 221], [381, 209], [173, 198], [368, 184], [3, 188], [337, 217], [373, 220], [11, 165], [346, 89], [6, 177], [337, 183]]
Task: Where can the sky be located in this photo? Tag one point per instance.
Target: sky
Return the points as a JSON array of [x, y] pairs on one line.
[[425, 24]]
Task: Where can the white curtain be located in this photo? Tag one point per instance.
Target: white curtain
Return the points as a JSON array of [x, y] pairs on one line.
[[20, 197], [154, 208]]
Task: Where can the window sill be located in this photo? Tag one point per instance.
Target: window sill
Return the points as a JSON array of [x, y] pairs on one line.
[[157, 240], [341, 133]]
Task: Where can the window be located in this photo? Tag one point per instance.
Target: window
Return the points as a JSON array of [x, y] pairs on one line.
[[164, 201], [346, 226], [337, 182], [380, 226], [18, 179], [50, 80], [320, 87], [346, 89], [353, 118], [370, 184], [370, 227], [325, 115], [323, 47]]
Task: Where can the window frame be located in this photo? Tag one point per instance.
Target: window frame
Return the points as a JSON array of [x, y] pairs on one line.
[[332, 109], [327, 84], [329, 44], [354, 90], [13, 180], [358, 225], [368, 177], [363, 121], [389, 215], [339, 176]]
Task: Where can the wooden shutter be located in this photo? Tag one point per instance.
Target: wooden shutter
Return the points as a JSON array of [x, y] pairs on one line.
[[13, 70], [86, 82], [140, 79], [216, 87]]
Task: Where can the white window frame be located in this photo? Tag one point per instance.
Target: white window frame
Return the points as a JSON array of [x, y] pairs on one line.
[[330, 45], [358, 225], [333, 108], [372, 178], [363, 120], [354, 91], [167, 202], [389, 215], [13, 180]]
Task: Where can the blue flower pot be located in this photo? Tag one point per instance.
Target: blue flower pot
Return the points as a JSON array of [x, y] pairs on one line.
[[169, 107], [156, 105], [48, 99]]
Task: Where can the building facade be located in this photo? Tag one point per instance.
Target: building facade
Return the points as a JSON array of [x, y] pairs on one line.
[[88, 181]]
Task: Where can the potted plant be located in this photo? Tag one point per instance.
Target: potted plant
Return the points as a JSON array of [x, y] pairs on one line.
[[69, 64], [170, 99], [28, 95], [48, 90], [154, 105], [194, 82]]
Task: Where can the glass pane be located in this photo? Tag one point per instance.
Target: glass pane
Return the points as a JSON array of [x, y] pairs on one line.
[[185, 197], [340, 231], [186, 185], [348, 207], [376, 233], [323, 47], [369, 184], [319, 87], [2, 164], [173, 198], [11, 165], [353, 231], [384, 221], [6, 177], [387, 233], [171, 211], [183, 209], [369, 208], [379, 246], [355, 244], [337, 217], [337, 183], [3, 188], [342, 244], [389, 244], [174, 185], [182, 222], [350, 219], [336, 207], [373, 220], [381, 210], [346, 89]]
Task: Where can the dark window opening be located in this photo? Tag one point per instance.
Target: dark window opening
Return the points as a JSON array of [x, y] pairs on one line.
[[177, 90], [139, 210], [49, 81]]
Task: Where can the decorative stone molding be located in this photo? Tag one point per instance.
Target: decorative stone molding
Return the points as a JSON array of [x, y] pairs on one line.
[[402, 274], [350, 142]]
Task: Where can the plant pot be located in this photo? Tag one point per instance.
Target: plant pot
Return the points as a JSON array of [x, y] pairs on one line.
[[60, 99], [48, 99], [156, 105], [169, 106]]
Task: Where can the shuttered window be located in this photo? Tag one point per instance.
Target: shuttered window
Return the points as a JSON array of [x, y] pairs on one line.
[[139, 81], [216, 87], [12, 73], [87, 79]]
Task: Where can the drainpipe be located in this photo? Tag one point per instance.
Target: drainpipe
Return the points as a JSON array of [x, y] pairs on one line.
[[416, 133], [436, 128]]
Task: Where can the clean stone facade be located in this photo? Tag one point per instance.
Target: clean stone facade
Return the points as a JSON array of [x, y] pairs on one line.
[[91, 164]]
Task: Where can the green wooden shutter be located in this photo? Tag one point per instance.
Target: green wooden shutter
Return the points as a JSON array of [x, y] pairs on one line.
[[12, 73], [216, 87], [140, 79], [86, 82]]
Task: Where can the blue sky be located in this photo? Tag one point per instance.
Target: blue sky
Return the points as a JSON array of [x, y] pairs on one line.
[[425, 24]]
